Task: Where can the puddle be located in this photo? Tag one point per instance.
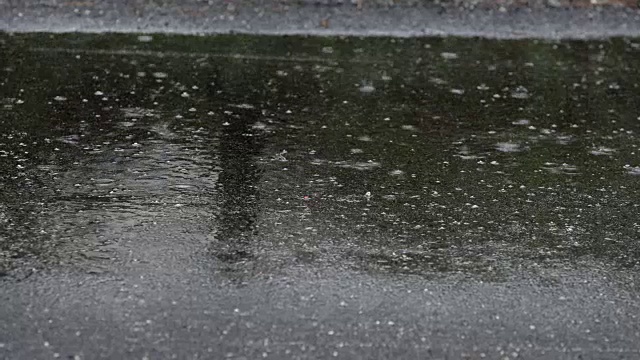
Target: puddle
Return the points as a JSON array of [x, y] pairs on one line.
[[396, 158]]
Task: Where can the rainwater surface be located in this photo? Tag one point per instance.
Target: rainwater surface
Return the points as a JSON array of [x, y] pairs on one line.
[[247, 159]]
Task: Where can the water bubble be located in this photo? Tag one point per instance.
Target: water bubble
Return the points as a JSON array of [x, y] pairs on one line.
[[520, 93]]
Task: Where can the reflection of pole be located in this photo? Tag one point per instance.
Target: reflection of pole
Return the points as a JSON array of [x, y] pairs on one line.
[[237, 188]]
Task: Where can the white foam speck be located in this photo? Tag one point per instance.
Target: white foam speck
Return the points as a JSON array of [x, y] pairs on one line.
[[633, 170], [145, 38], [160, 75], [521, 122], [508, 147], [367, 88], [449, 55], [602, 151], [243, 106]]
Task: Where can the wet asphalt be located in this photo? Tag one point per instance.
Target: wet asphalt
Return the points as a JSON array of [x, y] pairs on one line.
[[250, 197], [508, 19]]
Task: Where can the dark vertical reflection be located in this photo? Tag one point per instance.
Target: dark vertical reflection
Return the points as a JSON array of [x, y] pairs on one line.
[[237, 187]]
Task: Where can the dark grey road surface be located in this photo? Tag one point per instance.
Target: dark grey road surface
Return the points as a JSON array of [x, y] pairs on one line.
[[304, 17], [313, 198]]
